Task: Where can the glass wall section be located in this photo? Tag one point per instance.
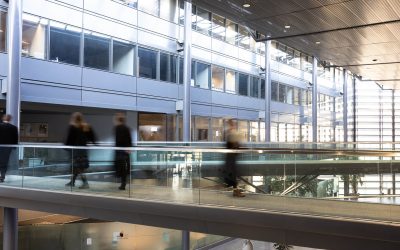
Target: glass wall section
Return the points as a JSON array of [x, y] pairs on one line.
[[296, 96], [230, 82], [243, 37], [262, 132], [167, 67], [218, 27], [202, 21], [306, 63], [274, 132], [150, 6], [169, 10], [243, 130], [203, 75], [201, 128], [97, 51], [231, 32], [289, 95], [147, 63], [34, 36], [243, 84], [123, 57], [218, 75], [274, 91], [282, 93], [65, 43], [3, 30], [254, 86], [217, 129], [152, 127], [254, 132], [130, 3]]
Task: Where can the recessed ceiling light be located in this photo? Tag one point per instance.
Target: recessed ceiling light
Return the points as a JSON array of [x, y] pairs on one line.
[[375, 60], [318, 42], [287, 26], [246, 5]]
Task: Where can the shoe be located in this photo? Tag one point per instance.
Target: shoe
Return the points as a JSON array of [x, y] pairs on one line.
[[238, 193], [121, 188], [84, 186], [1, 180], [69, 184]]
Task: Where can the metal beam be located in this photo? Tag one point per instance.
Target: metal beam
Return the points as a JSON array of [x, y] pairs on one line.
[[267, 91], [187, 61], [314, 101], [358, 65], [345, 107], [327, 31]]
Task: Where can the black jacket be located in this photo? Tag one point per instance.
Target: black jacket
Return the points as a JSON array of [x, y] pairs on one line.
[[123, 136], [8, 134]]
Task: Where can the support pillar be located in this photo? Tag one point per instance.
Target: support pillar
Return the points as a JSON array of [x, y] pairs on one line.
[[185, 240], [314, 101], [345, 107], [268, 91], [10, 229], [187, 63]]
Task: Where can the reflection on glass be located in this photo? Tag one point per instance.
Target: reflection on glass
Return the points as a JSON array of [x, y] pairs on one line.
[[218, 29], [147, 63], [203, 75], [230, 85], [152, 127], [282, 93], [218, 74], [34, 38], [65, 43], [150, 6], [167, 67], [97, 51], [231, 32], [274, 91], [203, 21], [254, 86], [3, 30], [243, 38], [243, 84], [169, 10], [254, 132], [296, 94], [262, 87], [243, 130], [123, 57], [217, 129], [201, 128], [130, 3], [289, 95]]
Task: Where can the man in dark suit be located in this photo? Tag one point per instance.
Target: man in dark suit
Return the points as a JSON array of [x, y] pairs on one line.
[[8, 136]]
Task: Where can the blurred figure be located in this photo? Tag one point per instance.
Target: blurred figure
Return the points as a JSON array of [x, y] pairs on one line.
[[79, 134], [8, 136], [122, 162], [230, 169]]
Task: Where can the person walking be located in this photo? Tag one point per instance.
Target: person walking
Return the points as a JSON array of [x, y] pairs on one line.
[[8, 136], [123, 138], [79, 134]]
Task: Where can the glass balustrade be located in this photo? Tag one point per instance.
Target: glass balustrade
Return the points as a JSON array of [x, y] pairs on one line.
[[323, 179]]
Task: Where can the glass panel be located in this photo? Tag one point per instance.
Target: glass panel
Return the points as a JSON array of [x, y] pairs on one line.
[[130, 3], [243, 131], [230, 85], [201, 128], [254, 131], [243, 84], [147, 63], [203, 24], [167, 67], [289, 95], [152, 127], [262, 88], [169, 10], [203, 75], [231, 32], [34, 37], [243, 38], [123, 57], [217, 129], [254, 87], [3, 30], [65, 41], [274, 91], [150, 6], [296, 93], [218, 74], [97, 51], [282, 93], [218, 29]]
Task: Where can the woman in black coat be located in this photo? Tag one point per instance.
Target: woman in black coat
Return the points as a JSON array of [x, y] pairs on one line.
[[123, 138]]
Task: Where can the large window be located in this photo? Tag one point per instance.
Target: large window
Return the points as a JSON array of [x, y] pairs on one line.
[[254, 86], [231, 32], [123, 57], [200, 128], [152, 127], [97, 51], [203, 21], [147, 63], [3, 30], [243, 38], [167, 67], [34, 36], [169, 10], [65, 43], [230, 85], [203, 75], [218, 75], [130, 3], [282, 93], [262, 87], [274, 91], [150, 6], [243, 84], [217, 129], [218, 28]]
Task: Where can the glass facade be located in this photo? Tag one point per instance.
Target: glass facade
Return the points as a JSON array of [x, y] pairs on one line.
[[65, 43], [97, 51], [147, 63]]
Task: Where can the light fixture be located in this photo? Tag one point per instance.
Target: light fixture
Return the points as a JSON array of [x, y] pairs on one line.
[[287, 26], [375, 60], [317, 42], [246, 4]]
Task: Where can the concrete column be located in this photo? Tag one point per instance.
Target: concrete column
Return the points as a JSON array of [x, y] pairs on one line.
[[345, 107], [314, 101], [187, 61], [268, 91], [10, 229], [185, 240]]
